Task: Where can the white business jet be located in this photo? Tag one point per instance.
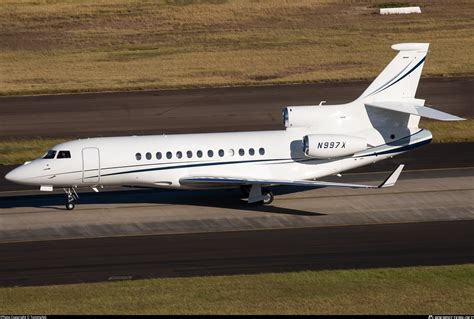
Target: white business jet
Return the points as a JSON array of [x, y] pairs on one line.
[[318, 140]]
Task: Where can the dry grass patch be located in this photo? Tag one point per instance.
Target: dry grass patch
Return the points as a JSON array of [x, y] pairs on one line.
[[20, 151], [448, 132], [69, 46]]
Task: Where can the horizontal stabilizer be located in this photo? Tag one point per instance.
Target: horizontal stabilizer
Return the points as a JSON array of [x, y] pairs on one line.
[[420, 47], [416, 109]]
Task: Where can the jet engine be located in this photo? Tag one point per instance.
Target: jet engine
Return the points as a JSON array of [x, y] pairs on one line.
[[332, 146], [300, 116]]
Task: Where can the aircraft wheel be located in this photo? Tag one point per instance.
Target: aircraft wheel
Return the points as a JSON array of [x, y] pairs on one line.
[[70, 206], [268, 197]]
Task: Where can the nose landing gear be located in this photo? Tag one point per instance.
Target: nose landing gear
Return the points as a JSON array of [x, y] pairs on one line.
[[71, 197]]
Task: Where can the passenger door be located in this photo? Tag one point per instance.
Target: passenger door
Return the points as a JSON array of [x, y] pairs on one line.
[[90, 165]]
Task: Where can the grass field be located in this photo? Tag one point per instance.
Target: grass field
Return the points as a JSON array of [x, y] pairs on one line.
[[19, 151], [414, 290], [51, 46], [448, 132]]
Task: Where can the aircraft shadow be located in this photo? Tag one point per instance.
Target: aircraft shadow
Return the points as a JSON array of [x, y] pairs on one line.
[[226, 199]]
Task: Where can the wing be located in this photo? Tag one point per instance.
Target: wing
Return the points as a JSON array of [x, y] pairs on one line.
[[220, 181]]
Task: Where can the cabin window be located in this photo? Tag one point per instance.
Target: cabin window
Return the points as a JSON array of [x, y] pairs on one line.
[[261, 151], [169, 155], [158, 155], [231, 152], [179, 154], [199, 154], [64, 154], [241, 152], [148, 156], [138, 156], [189, 154], [210, 153], [49, 155], [252, 152], [221, 153]]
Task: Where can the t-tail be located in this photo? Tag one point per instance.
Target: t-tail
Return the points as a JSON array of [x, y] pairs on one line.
[[395, 88]]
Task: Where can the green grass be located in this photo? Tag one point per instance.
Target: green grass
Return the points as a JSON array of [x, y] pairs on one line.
[[413, 290], [19, 151], [83, 45]]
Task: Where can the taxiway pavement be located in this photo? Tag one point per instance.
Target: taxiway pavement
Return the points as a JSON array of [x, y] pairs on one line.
[[198, 110], [108, 259]]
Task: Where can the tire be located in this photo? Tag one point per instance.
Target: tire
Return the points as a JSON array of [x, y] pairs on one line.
[[268, 197], [70, 206]]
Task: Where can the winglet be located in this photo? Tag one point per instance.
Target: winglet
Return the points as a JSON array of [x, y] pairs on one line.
[[392, 179]]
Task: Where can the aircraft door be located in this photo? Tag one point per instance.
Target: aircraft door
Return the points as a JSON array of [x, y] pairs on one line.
[[90, 165]]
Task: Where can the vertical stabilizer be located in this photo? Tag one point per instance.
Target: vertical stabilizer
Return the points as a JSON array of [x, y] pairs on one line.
[[399, 80]]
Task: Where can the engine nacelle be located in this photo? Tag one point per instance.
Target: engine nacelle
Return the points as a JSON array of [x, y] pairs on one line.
[[332, 145], [300, 116]]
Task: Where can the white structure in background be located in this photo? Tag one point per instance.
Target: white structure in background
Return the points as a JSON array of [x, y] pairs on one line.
[[402, 10]]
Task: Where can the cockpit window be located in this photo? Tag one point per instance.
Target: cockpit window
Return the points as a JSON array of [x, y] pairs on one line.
[[64, 154], [50, 154]]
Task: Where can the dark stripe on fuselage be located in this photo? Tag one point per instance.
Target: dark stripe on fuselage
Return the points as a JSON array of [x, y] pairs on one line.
[[400, 149], [285, 160], [391, 151], [192, 165]]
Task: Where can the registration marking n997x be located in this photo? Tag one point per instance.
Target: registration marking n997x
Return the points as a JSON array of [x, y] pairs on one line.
[[332, 145]]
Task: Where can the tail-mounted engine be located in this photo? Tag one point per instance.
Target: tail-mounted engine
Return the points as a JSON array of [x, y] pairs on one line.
[[332, 146], [300, 116]]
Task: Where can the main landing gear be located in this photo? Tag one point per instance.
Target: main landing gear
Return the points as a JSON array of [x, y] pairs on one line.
[[257, 194], [245, 190], [268, 196], [71, 197]]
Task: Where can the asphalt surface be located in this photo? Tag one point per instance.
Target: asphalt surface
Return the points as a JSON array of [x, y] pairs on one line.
[[419, 196], [75, 261], [198, 110]]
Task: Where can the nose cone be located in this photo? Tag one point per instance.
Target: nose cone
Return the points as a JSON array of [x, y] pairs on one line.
[[14, 175]]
